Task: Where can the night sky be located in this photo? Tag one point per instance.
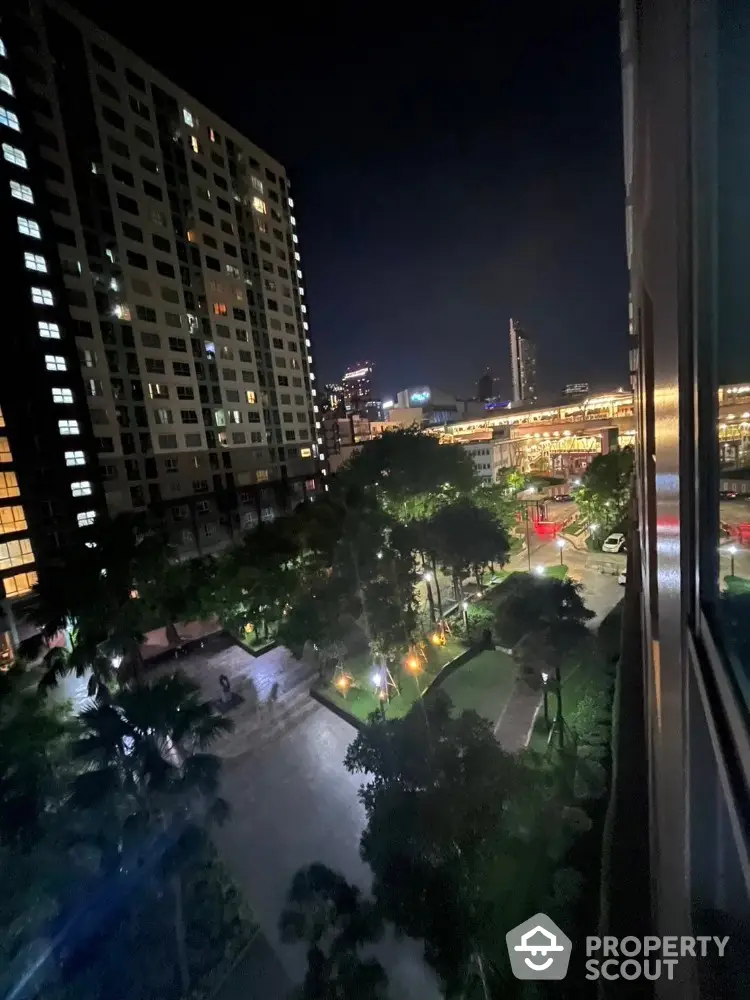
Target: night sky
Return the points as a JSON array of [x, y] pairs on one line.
[[448, 172]]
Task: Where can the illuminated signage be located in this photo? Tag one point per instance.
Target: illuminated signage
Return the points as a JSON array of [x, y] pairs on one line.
[[359, 373], [421, 396], [387, 404]]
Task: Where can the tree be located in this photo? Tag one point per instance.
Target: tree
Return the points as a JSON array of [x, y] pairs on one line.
[[409, 471], [543, 619], [149, 779], [99, 604], [604, 494], [466, 537], [435, 805], [329, 915]]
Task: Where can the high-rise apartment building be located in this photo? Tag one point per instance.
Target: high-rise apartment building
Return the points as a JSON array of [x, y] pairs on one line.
[[522, 364], [679, 827], [357, 386], [157, 345]]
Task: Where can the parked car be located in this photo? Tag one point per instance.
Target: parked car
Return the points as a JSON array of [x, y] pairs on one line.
[[562, 497], [614, 542], [622, 579], [728, 495]]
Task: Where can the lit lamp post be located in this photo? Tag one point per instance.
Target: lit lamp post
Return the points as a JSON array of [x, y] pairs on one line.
[[380, 682], [545, 678], [465, 610], [732, 550], [531, 489], [539, 570], [561, 545], [415, 669]]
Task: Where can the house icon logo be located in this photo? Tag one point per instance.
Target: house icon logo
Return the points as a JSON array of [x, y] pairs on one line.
[[538, 949]]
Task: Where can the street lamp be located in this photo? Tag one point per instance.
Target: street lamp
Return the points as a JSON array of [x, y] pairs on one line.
[[545, 678], [539, 570], [427, 577], [379, 553], [732, 550], [561, 545], [116, 661], [465, 610], [593, 528]]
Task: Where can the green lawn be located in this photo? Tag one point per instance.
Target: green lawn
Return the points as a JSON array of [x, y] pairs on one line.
[[483, 684], [360, 699]]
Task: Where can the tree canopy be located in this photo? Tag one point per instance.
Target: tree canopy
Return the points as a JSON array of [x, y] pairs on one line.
[[604, 494]]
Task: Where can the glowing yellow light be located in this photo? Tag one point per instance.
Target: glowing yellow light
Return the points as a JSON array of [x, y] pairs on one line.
[[413, 664], [134, 594], [249, 628], [435, 638], [343, 683]]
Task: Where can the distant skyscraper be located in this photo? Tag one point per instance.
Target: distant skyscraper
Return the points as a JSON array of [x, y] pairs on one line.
[[357, 386], [522, 364], [484, 386]]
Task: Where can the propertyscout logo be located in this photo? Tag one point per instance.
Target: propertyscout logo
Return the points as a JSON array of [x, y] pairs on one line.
[[538, 949]]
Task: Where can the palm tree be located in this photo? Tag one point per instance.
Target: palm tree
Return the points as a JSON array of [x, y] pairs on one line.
[[148, 774]]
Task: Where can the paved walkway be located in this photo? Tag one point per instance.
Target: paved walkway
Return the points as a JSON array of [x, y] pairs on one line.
[[513, 728]]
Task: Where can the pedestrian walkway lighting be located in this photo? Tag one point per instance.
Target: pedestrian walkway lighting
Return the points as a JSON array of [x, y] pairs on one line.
[[593, 528], [413, 665], [545, 678], [539, 570], [561, 545], [732, 550], [427, 577], [379, 553]]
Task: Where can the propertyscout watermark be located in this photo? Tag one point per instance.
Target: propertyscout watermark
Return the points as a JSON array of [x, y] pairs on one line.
[[538, 949]]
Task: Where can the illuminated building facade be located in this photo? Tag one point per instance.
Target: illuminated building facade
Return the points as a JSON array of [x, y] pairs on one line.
[[522, 364], [357, 386], [166, 244]]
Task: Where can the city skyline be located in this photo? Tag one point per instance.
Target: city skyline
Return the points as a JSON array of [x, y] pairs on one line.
[[482, 235]]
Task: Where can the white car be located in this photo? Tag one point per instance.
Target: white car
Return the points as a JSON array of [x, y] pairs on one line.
[[614, 542]]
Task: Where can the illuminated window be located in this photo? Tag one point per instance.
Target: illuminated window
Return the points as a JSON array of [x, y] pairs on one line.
[[12, 519], [22, 192], [62, 396], [35, 262], [192, 238], [75, 458], [28, 227], [85, 517], [260, 206], [122, 311], [2, 419], [42, 296], [250, 396], [5, 85], [68, 427], [3, 50], [261, 475], [212, 135], [16, 553], [9, 485], [305, 453], [9, 119], [55, 363], [14, 155], [5, 455], [19, 584], [49, 331], [82, 489], [194, 144], [257, 184], [187, 117], [220, 308], [157, 390]]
